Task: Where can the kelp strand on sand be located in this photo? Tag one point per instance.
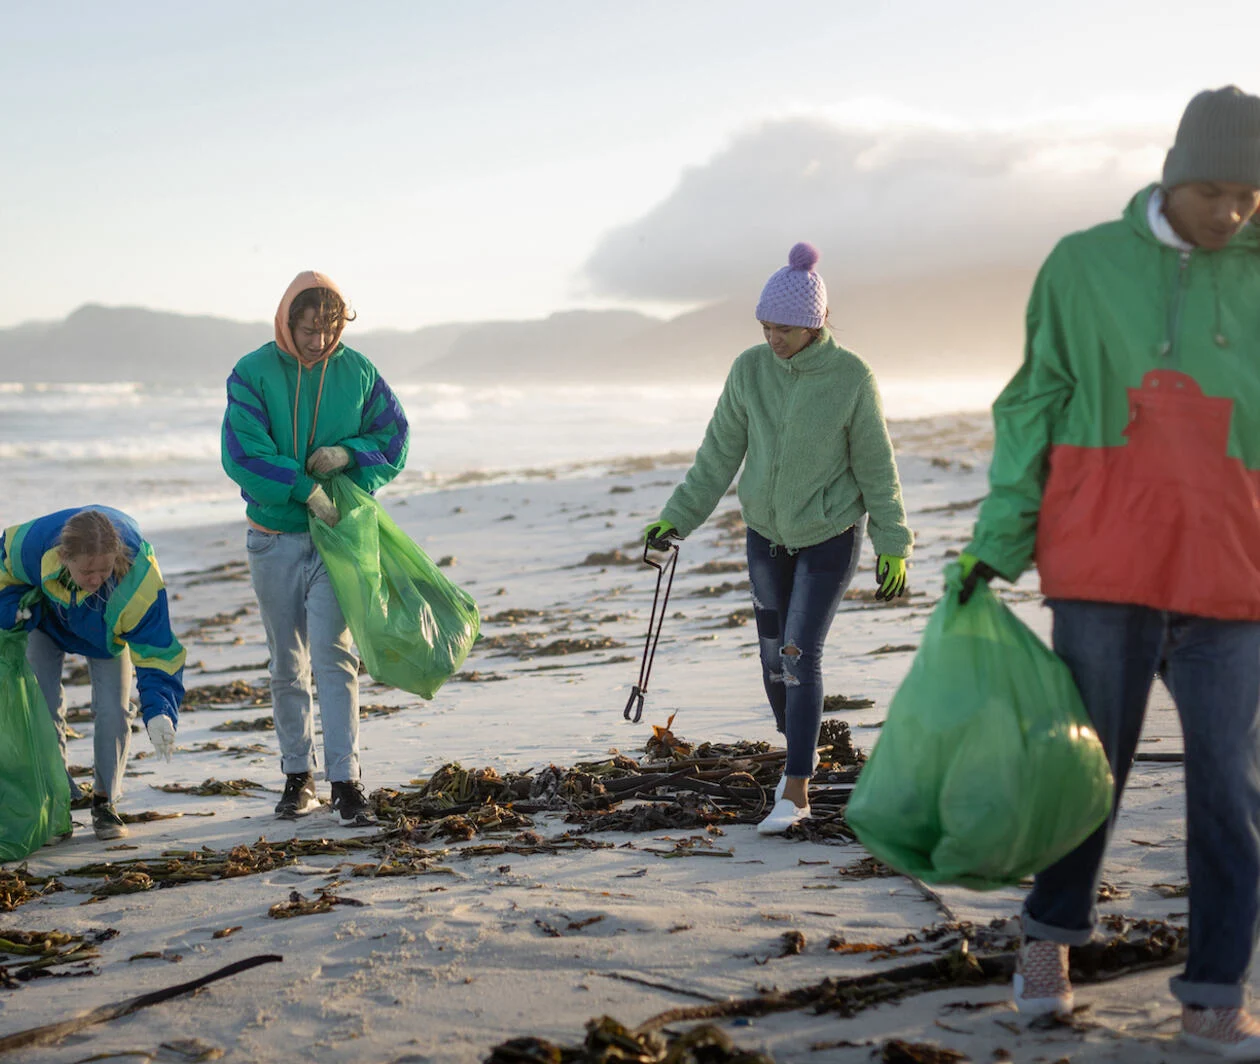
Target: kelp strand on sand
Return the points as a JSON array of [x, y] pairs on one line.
[[1132, 946], [610, 1042], [52, 1033], [47, 953]]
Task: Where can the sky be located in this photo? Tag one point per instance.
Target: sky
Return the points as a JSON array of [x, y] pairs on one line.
[[473, 160]]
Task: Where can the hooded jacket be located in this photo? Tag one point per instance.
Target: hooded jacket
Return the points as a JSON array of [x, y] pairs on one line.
[[128, 614], [1127, 447], [339, 399], [811, 434]]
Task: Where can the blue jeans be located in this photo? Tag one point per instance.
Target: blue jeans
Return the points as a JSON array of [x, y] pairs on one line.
[[111, 709], [795, 597], [306, 634], [1212, 669]]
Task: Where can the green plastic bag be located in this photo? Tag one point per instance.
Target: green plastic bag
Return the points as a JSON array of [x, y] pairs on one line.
[[412, 625], [34, 788], [987, 768]]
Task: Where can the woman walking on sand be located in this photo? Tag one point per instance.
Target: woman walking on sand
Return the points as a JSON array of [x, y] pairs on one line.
[[84, 581], [804, 416]]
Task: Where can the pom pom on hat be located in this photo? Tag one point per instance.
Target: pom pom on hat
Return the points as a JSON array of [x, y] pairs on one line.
[[795, 295], [803, 256]]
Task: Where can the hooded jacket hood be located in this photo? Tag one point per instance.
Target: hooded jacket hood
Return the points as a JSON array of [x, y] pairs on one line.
[[284, 336]]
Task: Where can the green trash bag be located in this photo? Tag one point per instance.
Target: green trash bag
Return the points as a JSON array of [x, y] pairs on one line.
[[34, 788], [412, 625], [987, 768]]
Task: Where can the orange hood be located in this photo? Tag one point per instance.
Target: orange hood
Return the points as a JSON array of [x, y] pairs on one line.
[[284, 337]]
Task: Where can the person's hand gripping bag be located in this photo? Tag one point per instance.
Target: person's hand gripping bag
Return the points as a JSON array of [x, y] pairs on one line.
[[412, 625], [987, 769]]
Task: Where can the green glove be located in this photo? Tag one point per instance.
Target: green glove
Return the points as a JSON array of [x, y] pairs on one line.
[[973, 571], [656, 534], [890, 575]]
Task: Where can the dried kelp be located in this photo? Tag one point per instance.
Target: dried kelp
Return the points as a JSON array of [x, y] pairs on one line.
[[18, 886], [257, 724], [235, 693], [48, 953], [299, 905], [213, 788], [174, 867], [610, 1042]]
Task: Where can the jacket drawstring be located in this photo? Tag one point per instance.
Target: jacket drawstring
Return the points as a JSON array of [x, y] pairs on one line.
[[297, 400]]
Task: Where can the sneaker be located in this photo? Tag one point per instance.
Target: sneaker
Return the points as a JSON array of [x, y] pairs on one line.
[[784, 814], [1229, 1033], [105, 820], [348, 803], [299, 796], [1041, 984]]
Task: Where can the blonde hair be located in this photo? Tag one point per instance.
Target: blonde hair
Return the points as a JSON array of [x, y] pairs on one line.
[[89, 533]]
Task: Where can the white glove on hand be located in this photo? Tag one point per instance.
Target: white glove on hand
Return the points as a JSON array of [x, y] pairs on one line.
[[162, 734], [326, 460], [322, 506]]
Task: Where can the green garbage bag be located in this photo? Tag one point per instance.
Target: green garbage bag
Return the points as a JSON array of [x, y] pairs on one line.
[[412, 625], [987, 768], [34, 788]]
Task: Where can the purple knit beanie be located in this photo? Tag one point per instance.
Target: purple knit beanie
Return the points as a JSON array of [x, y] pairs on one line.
[[795, 295]]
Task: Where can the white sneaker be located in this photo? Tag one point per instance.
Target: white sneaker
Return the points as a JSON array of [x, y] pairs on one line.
[[1041, 985], [1228, 1033], [784, 814]]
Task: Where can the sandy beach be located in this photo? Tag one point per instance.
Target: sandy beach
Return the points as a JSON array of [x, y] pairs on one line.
[[471, 946]]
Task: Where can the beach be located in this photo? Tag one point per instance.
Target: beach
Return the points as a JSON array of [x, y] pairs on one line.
[[470, 948]]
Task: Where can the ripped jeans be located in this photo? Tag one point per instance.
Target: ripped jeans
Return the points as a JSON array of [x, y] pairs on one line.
[[795, 597]]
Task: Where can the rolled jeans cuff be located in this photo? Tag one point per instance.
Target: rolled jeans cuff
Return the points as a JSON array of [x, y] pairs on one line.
[[1036, 929], [1208, 995]]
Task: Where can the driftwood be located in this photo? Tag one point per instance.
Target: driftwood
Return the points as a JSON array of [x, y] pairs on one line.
[[55, 1032]]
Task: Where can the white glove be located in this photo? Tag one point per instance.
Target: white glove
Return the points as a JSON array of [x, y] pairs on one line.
[[322, 506], [325, 460], [162, 734]]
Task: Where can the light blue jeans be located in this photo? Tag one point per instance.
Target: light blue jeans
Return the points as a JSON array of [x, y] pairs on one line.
[[1212, 669], [306, 634], [111, 709]]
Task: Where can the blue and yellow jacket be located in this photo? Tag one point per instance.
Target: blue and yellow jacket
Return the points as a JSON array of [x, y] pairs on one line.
[[127, 614]]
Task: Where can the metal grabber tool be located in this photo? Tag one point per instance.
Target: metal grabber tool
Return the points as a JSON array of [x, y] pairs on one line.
[[664, 545]]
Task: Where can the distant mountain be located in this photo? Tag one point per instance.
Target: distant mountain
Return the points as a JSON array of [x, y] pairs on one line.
[[963, 322], [969, 322]]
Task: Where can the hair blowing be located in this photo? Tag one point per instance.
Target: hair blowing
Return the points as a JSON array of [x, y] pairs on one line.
[[90, 533], [330, 309]]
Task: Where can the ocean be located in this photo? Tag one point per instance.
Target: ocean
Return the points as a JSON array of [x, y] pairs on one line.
[[153, 451]]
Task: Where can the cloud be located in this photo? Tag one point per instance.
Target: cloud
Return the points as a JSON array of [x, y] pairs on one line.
[[879, 204]]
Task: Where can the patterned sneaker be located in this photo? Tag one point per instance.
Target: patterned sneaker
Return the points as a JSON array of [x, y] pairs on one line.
[[1229, 1033], [299, 796], [105, 820], [1041, 983], [348, 803]]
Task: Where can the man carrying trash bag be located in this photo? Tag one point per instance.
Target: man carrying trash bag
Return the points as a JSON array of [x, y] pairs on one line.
[[1127, 461]]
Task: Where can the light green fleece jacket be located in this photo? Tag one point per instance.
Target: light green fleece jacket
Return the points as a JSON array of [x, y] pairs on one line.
[[811, 434]]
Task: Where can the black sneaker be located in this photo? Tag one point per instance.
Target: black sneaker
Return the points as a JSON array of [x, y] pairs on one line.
[[348, 803], [299, 796], [105, 819]]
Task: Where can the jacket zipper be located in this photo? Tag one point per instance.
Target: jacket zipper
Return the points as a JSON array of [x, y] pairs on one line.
[[1174, 326]]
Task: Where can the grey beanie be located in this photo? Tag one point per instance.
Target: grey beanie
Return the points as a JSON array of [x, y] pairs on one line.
[[1218, 140]]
